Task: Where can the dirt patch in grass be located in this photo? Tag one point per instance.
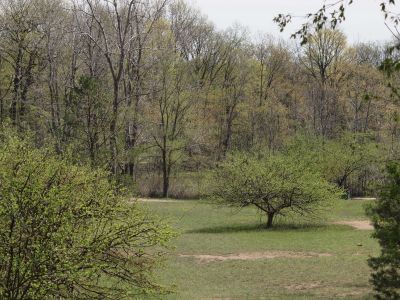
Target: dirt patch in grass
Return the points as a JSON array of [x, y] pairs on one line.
[[364, 199], [155, 200], [351, 294], [360, 225], [320, 288], [206, 258], [304, 286]]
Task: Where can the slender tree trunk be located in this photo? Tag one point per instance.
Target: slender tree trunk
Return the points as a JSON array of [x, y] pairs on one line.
[[113, 131], [28, 81], [15, 104], [1, 107], [226, 144], [68, 94], [2, 96], [165, 170], [131, 133], [366, 125]]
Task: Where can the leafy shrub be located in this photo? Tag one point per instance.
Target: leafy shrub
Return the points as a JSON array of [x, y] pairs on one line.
[[66, 233]]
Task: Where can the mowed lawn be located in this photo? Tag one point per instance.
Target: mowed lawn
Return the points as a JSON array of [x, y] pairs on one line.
[[329, 261]]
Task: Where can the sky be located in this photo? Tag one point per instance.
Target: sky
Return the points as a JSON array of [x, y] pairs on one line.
[[364, 21]]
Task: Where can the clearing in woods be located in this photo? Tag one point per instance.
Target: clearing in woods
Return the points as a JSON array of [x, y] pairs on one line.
[[227, 254]]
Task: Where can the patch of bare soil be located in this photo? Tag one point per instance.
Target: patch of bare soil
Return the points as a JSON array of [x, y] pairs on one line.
[[205, 258], [304, 286], [148, 200], [364, 199], [326, 289], [360, 225], [353, 293]]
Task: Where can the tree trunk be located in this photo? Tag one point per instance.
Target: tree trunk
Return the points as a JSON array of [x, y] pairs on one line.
[[228, 135], [1, 107], [113, 130], [270, 220], [15, 104], [165, 174], [165, 185]]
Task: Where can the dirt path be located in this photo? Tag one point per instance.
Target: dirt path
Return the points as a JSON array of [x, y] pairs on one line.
[[360, 225], [205, 258], [148, 200]]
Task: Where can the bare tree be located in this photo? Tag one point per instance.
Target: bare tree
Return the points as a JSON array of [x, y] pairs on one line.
[[143, 23], [22, 40], [272, 59], [113, 20], [322, 60], [234, 76], [169, 108]]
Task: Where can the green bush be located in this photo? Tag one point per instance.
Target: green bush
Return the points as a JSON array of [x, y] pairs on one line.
[[66, 234], [385, 214], [274, 184]]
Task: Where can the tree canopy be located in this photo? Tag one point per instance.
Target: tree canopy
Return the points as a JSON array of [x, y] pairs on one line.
[[275, 184]]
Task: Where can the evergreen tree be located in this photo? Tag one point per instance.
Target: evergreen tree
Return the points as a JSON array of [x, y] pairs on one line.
[[385, 214]]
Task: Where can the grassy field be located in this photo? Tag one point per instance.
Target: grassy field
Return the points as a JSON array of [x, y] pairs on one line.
[[340, 272]]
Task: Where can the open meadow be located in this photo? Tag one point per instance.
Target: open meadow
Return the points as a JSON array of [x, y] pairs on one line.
[[226, 254]]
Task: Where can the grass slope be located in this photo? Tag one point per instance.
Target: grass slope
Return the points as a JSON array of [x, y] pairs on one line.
[[206, 229]]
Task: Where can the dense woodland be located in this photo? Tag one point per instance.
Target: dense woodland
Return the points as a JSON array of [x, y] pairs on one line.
[[152, 91]]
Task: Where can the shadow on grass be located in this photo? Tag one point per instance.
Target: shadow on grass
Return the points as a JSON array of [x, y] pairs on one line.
[[262, 228]]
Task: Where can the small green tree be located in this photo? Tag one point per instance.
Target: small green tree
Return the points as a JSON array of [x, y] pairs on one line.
[[66, 234], [274, 184], [385, 214]]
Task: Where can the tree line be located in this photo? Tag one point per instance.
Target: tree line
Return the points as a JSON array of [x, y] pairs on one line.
[[151, 90]]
